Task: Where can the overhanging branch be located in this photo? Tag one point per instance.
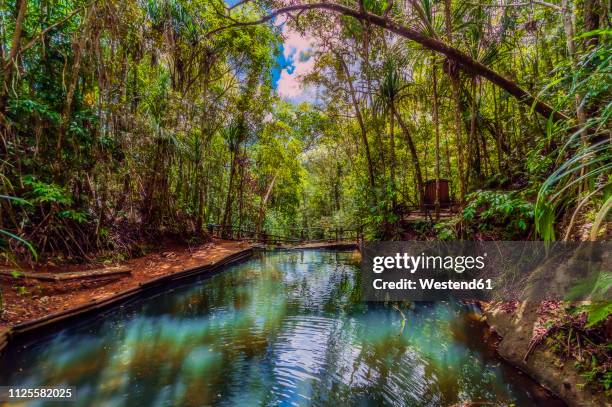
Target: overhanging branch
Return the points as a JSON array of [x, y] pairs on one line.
[[466, 62]]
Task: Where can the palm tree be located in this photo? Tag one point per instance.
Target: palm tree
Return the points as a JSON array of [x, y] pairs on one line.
[[233, 135], [390, 92], [437, 131]]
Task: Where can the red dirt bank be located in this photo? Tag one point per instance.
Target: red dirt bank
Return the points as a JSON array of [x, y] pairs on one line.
[[44, 298]]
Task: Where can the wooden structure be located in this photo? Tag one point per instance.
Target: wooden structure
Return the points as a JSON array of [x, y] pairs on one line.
[[291, 236], [429, 199]]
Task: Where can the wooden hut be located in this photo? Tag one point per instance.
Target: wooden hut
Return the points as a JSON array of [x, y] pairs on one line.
[[443, 193]]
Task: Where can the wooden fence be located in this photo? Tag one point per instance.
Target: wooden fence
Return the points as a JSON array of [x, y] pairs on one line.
[[290, 236]]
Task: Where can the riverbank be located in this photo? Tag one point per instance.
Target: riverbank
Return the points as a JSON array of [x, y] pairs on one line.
[[26, 299], [40, 292], [516, 325]]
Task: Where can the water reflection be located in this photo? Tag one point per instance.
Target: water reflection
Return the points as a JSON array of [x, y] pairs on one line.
[[284, 328]]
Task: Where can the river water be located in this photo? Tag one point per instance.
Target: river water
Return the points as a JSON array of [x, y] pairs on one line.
[[284, 328]]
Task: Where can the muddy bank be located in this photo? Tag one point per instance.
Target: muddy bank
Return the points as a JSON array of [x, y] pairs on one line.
[[515, 326]]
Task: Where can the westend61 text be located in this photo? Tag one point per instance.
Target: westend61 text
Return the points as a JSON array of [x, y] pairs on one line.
[[432, 284]]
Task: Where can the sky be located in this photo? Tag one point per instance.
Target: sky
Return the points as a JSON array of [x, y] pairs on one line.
[[294, 61]]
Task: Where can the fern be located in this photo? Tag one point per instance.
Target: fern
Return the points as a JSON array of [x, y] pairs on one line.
[[499, 209]]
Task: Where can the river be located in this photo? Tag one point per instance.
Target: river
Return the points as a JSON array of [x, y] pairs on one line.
[[283, 328]]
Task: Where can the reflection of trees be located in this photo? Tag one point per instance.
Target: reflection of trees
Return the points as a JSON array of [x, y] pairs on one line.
[[424, 366], [209, 333], [224, 338]]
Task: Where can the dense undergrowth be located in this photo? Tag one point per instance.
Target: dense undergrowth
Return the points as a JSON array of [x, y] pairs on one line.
[[126, 123]]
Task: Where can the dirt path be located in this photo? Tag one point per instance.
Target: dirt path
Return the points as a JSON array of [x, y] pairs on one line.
[[26, 299]]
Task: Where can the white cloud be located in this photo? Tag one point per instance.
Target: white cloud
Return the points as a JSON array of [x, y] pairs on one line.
[[297, 49]]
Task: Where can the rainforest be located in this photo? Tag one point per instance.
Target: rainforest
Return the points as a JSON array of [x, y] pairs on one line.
[[137, 135]]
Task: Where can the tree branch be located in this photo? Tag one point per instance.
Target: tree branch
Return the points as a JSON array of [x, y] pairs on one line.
[[41, 34], [527, 3], [388, 9], [14, 51], [466, 62]]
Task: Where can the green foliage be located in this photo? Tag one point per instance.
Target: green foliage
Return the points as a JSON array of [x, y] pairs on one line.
[[446, 230], [607, 380], [584, 160], [21, 290], [77, 216], [46, 193], [16, 274], [28, 107], [594, 373], [233, 135], [24, 242], [381, 218], [499, 210], [596, 287], [155, 122], [598, 312], [115, 130]]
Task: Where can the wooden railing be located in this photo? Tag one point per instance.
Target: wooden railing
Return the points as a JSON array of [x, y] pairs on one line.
[[290, 236]]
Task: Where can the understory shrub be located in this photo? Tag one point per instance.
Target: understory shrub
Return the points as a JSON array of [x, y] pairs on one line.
[[498, 214]]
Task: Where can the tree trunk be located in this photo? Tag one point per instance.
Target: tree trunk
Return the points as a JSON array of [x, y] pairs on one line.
[[475, 163], [413, 154], [241, 200], [591, 20], [364, 134], [497, 136], [437, 130], [7, 68], [262, 205], [392, 163], [568, 26], [454, 78], [227, 214], [74, 79]]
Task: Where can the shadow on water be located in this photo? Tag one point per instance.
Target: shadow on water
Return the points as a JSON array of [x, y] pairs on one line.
[[284, 328]]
